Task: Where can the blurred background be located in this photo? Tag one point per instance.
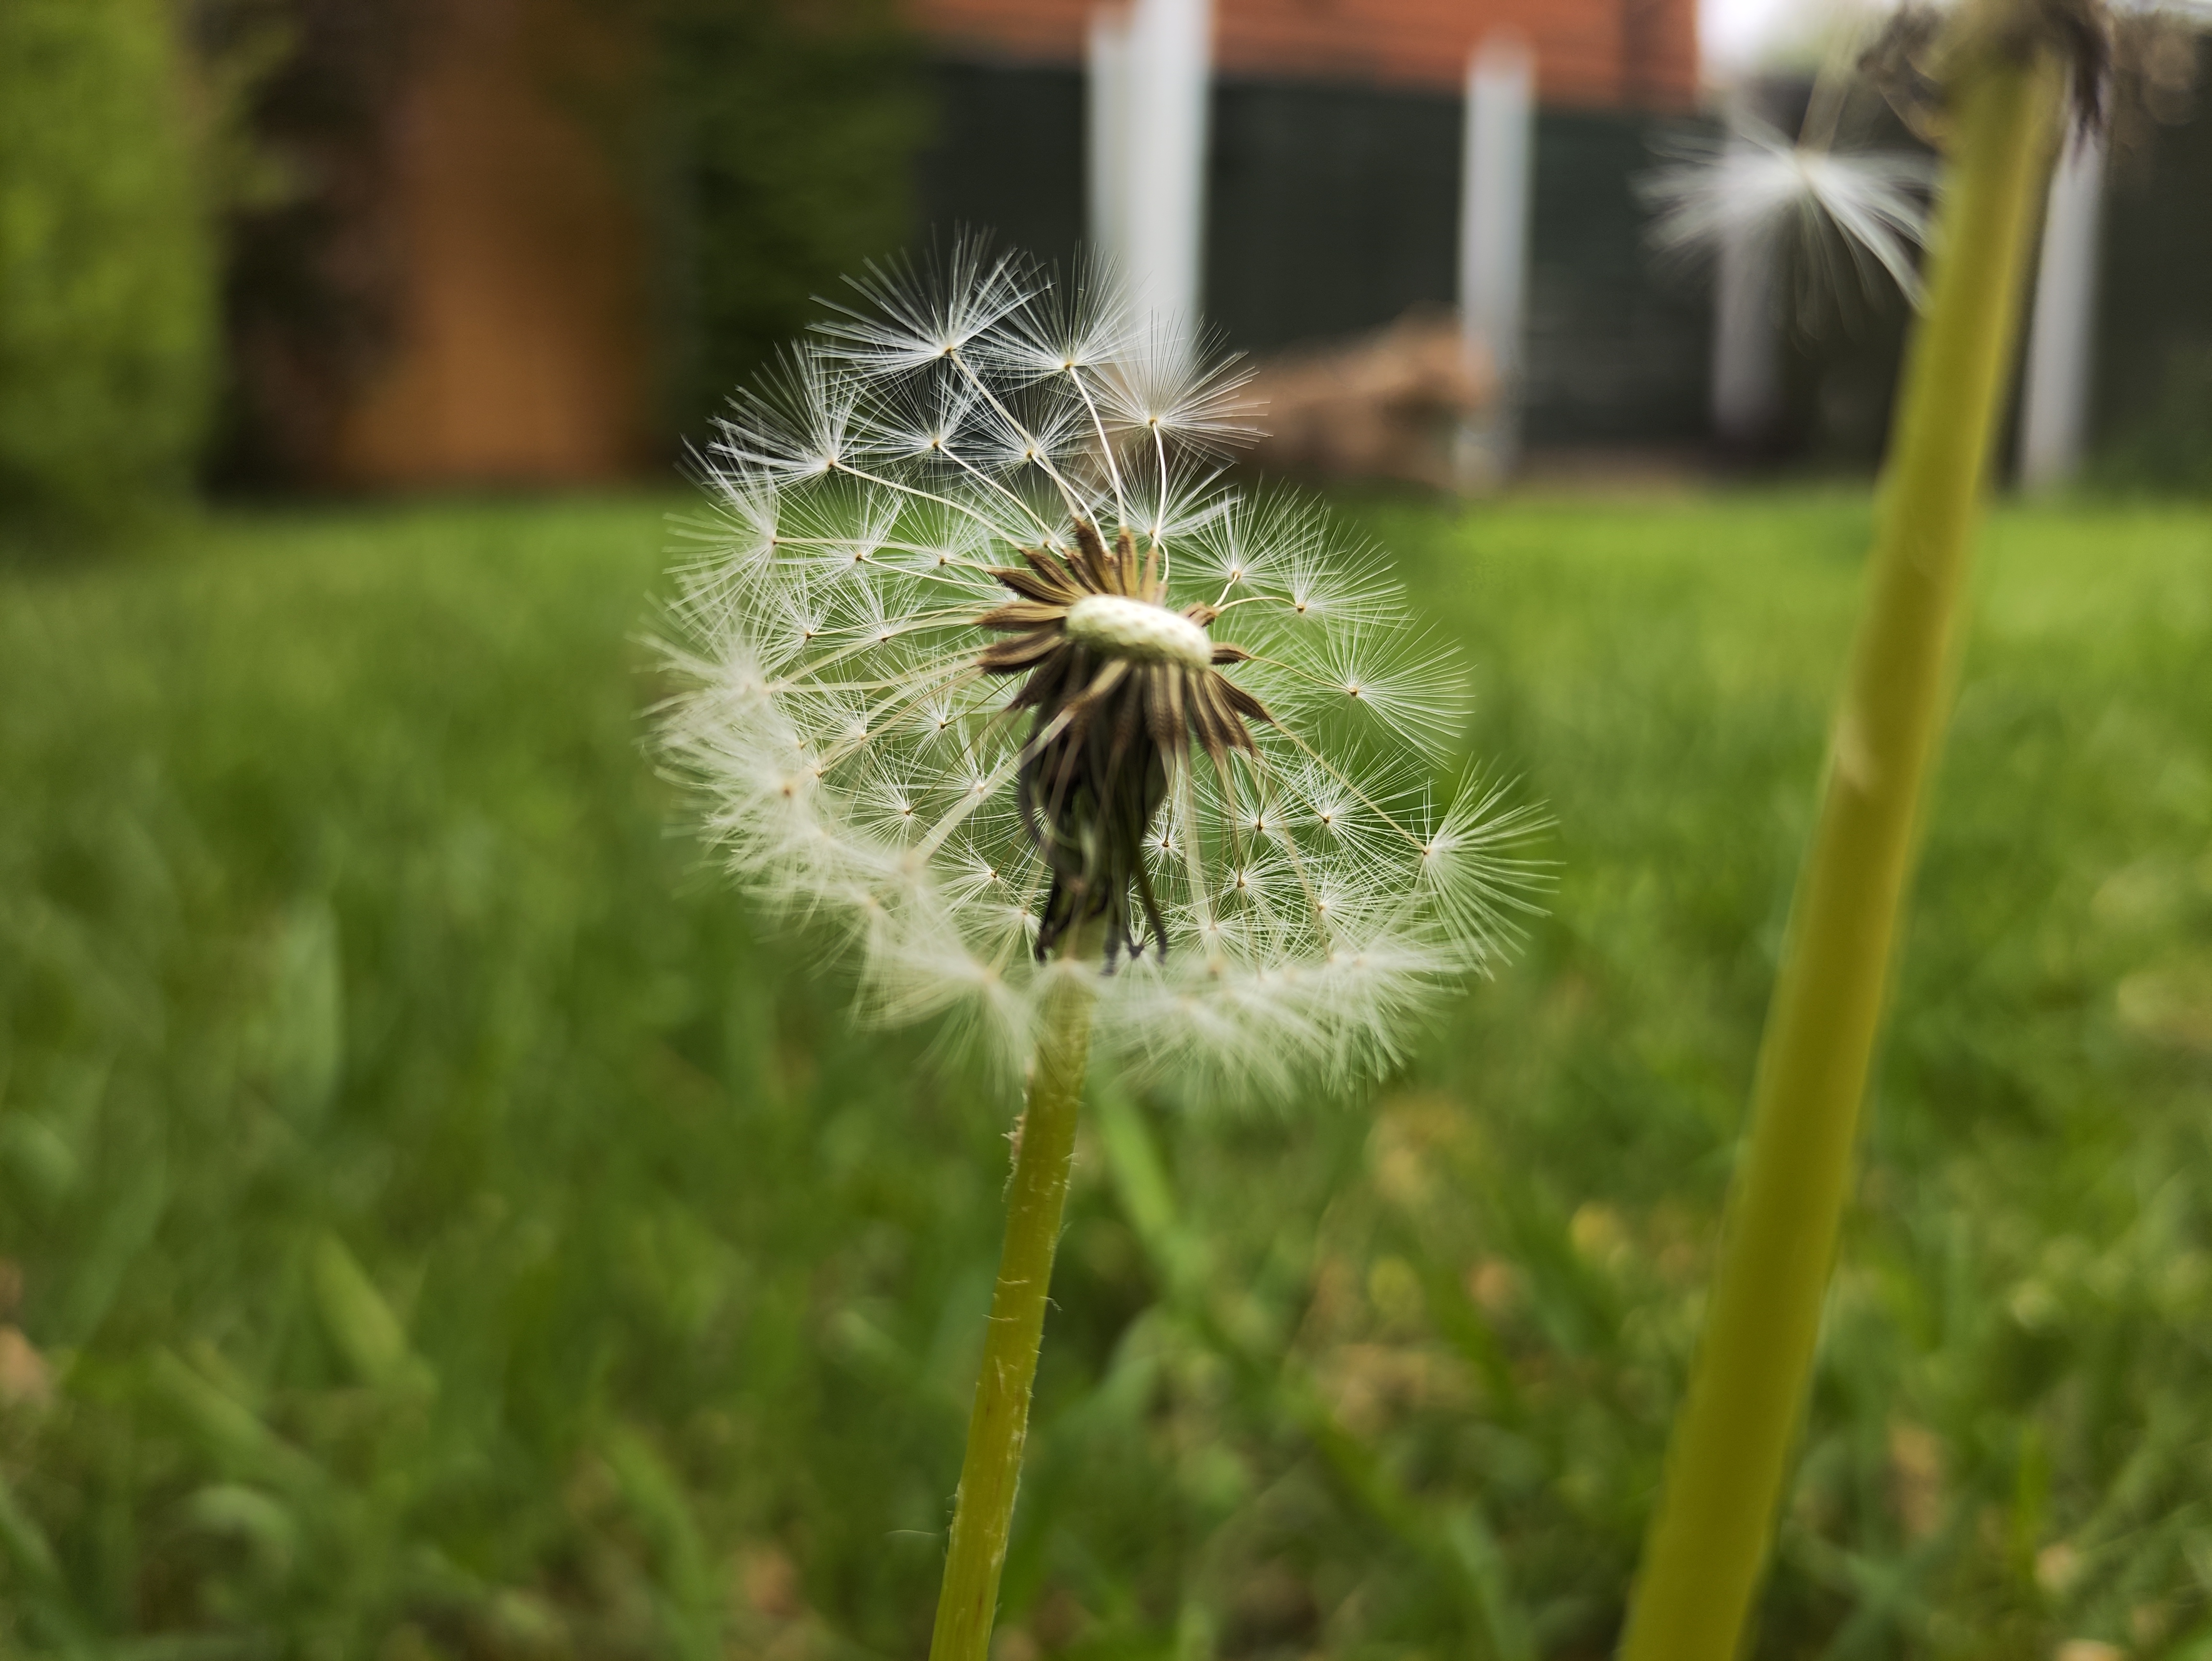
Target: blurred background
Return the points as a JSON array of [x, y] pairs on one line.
[[314, 245], [437, 1221]]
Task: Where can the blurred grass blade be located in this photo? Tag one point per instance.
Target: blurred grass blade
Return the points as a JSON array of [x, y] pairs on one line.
[[307, 1012], [267, 1525], [132, 1205], [26, 1542], [657, 1500], [227, 1429], [40, 1596], [1474, 1543], [35, 1153], [1141, 1181], [356, 1316], [1459, 1544]]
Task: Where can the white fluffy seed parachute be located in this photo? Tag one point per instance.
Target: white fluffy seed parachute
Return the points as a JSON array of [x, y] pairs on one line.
[[1757, 186], [1223, 745]]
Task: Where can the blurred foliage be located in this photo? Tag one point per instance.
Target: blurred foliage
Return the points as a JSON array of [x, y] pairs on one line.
[[433, 1223], [308, 97], [789, 133], [2169, 447], [770, 142], [2153, 409], [107, 317]]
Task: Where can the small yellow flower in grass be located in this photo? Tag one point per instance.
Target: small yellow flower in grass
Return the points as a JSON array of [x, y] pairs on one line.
[[983, 657]]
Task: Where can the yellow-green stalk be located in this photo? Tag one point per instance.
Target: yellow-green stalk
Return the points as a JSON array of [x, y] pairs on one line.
[[1730, 1450], [997, 1425]]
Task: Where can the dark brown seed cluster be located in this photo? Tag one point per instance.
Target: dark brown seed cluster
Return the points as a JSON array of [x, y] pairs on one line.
[[1109, 727], [1914, 61]]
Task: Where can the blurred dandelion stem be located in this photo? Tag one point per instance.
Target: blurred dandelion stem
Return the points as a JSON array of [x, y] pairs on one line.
[[997, 1425], [1729, 1453]]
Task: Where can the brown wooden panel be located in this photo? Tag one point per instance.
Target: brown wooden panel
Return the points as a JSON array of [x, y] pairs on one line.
[[521, 354]]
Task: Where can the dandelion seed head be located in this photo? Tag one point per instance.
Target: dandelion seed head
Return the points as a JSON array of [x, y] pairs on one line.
[[977, 652]]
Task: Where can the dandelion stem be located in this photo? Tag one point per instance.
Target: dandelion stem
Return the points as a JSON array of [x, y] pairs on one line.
[[1730, 1450], [998, 1424]]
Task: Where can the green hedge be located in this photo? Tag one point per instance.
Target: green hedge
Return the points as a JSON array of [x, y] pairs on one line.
[[107, 316], [791, 133], [2167, 449]]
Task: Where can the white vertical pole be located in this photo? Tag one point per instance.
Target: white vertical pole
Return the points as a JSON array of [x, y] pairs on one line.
[[2054, 404], [1747, 365], [1494, 246], [1150, 77], [1747, 361], [1107, 121]]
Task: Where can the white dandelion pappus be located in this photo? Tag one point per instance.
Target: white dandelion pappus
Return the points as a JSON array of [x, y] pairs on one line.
[[1757, 183], [977, 655]]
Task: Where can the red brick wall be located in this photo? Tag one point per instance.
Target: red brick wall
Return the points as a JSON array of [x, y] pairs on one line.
[[1640, 52]]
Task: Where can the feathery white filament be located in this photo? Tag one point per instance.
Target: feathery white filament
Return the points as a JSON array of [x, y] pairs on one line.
[[1118, 627], [856, 766], [1759, 184]]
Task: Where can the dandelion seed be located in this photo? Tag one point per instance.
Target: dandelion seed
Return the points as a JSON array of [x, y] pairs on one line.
[[982, 655], [1757, 184]]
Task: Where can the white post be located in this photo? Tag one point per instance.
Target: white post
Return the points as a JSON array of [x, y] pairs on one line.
[[1108, 123], [1493, 247], [1151, 77], [1746, 361], [1746, 366], [2055, 402]]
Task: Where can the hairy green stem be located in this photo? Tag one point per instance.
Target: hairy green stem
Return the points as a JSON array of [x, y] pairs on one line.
[[1731, 1445], [984, 1513]]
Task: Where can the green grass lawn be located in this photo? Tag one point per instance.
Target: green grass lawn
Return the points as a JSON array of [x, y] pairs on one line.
[[437, 1224]]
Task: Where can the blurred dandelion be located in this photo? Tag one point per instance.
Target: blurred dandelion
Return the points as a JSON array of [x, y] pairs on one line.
[[1199, 824], [1793, 226], [1757, 186], [1990, 80], [1223, 721]]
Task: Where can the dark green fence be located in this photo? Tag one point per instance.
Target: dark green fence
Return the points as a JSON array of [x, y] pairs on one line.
[[1333, 210], [2153, 414]]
